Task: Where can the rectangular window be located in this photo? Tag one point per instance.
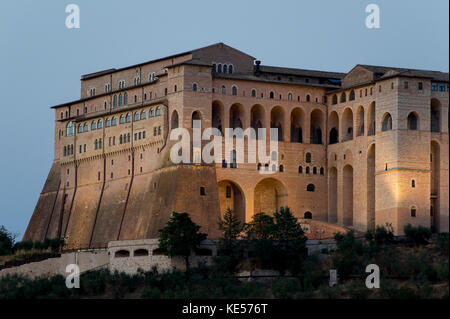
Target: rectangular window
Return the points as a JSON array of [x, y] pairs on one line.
[[405, 85], [434, 87], [420, 85], [442, 88]]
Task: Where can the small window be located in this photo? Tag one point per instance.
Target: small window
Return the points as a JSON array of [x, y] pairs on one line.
[[253, 93], [194, 87], [281, 168], [202, 191], [308, 215], [310, 188], [307, 170], [413, 212], [413, 183], [271, 95], [122, 254], [420, 86], [300, 169], [140, 252], [308, 157], [314, 170], [228, 192], [224, 90], [405, 85], [234, 90]]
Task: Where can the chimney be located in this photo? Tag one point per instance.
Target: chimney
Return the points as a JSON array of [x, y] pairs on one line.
[[257, 70]]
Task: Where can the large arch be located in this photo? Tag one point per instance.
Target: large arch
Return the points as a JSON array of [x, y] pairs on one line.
[[347, 125], [231, 196], [257, 118], [360, 121], [435, 185], [332, 195], [217, 115], [237, 116], [435, 115], [333, 123], [386, 124], [270, 194], [370, 187], [316, 126], [297, 125], [348, 195], [277, 121], [174, 120], [413, 121]]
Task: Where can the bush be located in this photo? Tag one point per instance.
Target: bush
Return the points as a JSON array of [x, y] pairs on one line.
[[418, 235], [443, 243], [6, 242], [286, 288]]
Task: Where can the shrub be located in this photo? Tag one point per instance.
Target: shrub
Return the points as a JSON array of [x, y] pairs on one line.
[[418, 235], [285, 288], [443, 243], [6, 242]]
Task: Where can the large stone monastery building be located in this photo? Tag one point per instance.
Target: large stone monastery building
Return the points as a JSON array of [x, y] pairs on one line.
[[358, 149]]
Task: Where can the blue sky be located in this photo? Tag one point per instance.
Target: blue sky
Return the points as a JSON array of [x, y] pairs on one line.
[[41, 60]]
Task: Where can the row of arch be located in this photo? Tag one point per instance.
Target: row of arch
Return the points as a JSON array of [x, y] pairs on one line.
[[277, 120], [82, 128]]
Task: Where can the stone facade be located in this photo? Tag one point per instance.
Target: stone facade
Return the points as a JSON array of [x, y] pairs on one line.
[[337, 162]]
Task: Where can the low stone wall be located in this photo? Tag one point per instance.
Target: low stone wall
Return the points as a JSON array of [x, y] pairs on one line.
[[130, 255], [86, 260]]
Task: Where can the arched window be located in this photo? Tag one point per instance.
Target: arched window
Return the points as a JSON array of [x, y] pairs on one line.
[[259, 166], [281, 169], [120, 99], [314, 170], [100, 124], [114, 121], [194, 87], [122, 254], [253, 93], [308, 157], [196, 116], [334, 99], [234, 90], [152, 112], [413, 122], [80, 128], [308, 215], [225, 68], [140, 252], [143, 115], [137, 116], [387, 123], [413, 183], [115, 101], [128, 118], [93, 125], [300, 169], [413, 211], [219, 68], [122, 119], [108, 122], [343, 97], [230, 69], [290, 96], [224, 91], [308, 98], [125, 98], [321, 171], [158, 111], [274, 156], [70, 129], [121, 139], [96, 144], [271, 95], [310, 188], [352, 95], [307, 170], [214, 68]]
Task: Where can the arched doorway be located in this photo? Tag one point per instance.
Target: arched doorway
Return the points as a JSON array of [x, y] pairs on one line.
[[316, 125], [174, 120], [236, 116], [277, 121], [333, 122], [297, 125], [217, 116], [257, 119], [347, 125], [270, 195], [231, 196]]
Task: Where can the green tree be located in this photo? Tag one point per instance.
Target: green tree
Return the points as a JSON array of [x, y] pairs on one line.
[[229, 246], [290, 249], [180, 236], [260, 232], [6, 241], [418, 235]]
